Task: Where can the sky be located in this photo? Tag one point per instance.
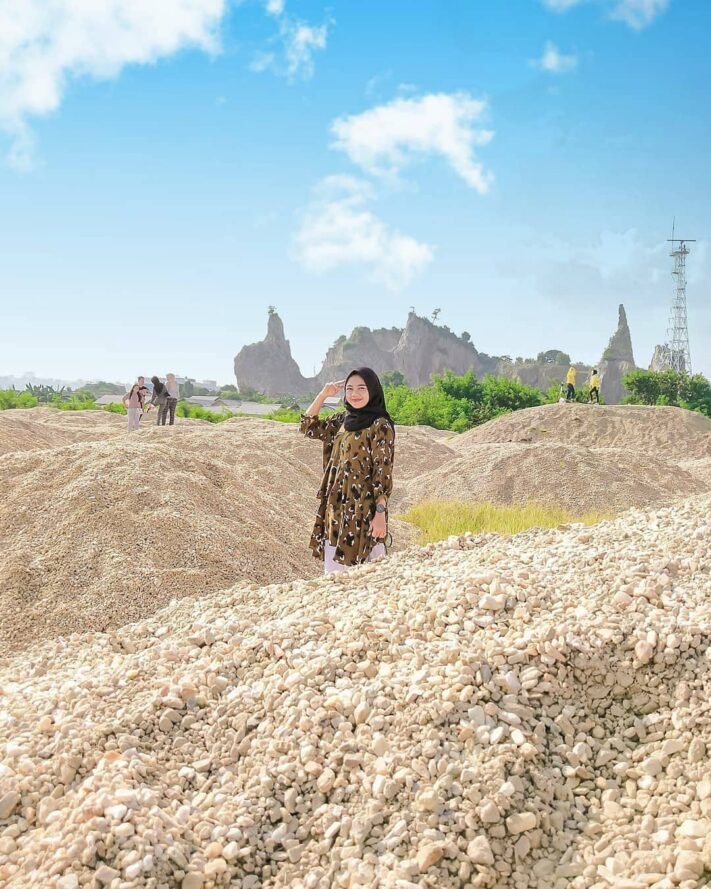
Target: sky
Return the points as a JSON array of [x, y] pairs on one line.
[[169, 170]]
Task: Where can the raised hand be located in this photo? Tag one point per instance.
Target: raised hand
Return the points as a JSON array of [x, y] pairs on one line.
[[331, 389]]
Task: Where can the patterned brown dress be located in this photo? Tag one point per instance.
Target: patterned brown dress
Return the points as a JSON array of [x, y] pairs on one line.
[[357, 471]]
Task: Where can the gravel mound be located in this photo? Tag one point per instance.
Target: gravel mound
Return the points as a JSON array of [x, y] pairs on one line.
[[579, 479], [105, 531], [43, 427], [700, 468], [529, 712], [664, 432], [97, 534]]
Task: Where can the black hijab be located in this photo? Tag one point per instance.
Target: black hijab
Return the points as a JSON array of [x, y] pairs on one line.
[[158, 387], [361, 417]]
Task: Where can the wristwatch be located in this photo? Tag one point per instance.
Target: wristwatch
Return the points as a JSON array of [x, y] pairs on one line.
[[381, 508]]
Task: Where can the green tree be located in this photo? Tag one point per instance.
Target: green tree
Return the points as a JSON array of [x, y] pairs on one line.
[[505, 394], [553, 356], [465, 386], [643, 387], [45, 394], [668, 387], [697, 395], [466, 336], [392, 378]]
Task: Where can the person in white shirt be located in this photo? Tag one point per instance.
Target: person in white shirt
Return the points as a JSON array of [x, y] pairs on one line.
[[171, 384]]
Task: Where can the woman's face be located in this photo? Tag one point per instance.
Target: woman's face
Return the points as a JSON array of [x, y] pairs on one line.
[[357, 392]]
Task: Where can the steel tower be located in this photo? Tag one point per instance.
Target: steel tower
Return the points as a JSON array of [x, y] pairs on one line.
[[677, 355]]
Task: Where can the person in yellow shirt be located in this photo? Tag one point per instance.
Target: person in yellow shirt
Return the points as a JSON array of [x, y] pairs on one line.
[[595, 386], [570, 380]]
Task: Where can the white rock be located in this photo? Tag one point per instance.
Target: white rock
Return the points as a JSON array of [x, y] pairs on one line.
[[428, 855], [479, 851], [521, 821]]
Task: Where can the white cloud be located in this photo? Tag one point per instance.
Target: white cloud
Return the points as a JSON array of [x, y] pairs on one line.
[[554, 61], [43, 46], [638, 13], [301, 41], [635, 13], [384, 139], [338, 229]]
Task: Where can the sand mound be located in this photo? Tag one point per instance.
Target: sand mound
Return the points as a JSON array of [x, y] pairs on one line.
[[527, 712], [98, 534], [43, 427], [419, 449], [699, 468], [665, 432], [102, 532], [578, 479]]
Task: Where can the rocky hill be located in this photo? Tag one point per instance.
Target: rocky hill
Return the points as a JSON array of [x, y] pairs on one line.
[[418, 350]]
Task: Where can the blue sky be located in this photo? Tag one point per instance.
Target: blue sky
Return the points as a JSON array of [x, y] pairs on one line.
[[168, 174]]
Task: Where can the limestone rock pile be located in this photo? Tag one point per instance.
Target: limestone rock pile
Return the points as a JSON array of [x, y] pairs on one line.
[[97, 534], [531, 712], [667, 433], [43, 427], [601, 480]]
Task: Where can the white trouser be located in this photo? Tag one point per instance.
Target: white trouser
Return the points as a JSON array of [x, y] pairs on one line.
[[134, 416], [330, 566]]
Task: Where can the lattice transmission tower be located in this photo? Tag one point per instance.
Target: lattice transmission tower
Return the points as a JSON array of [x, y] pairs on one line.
[[676, 353]]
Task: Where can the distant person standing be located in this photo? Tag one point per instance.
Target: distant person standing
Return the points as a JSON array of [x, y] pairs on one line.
[[595, 386], [160, 399], [171, 384], [145, 393], [358, 456], [133, 402], [570, 380]]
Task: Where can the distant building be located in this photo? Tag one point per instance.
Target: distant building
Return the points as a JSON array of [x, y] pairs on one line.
[[103, 400], [233, 405], [208, 401], [333, 403]]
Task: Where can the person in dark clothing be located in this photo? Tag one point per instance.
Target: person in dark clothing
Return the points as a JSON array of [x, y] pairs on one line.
[[160, 399], [358, 456]]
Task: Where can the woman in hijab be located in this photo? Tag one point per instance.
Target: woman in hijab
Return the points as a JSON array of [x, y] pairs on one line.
[[160, 398], [358, 457]]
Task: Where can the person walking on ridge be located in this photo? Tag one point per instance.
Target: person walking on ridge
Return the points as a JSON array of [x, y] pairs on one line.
[[358, 457], [595, 386], [570, 380]]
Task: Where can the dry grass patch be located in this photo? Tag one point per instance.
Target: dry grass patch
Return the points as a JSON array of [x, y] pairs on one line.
[[440, 519]]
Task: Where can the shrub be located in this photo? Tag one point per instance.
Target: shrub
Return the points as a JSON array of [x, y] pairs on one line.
[[285, 416], [195, 412], [11, 398]]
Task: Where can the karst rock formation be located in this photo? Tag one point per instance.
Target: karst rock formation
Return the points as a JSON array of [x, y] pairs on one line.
[[617, 360], [418, 350]]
